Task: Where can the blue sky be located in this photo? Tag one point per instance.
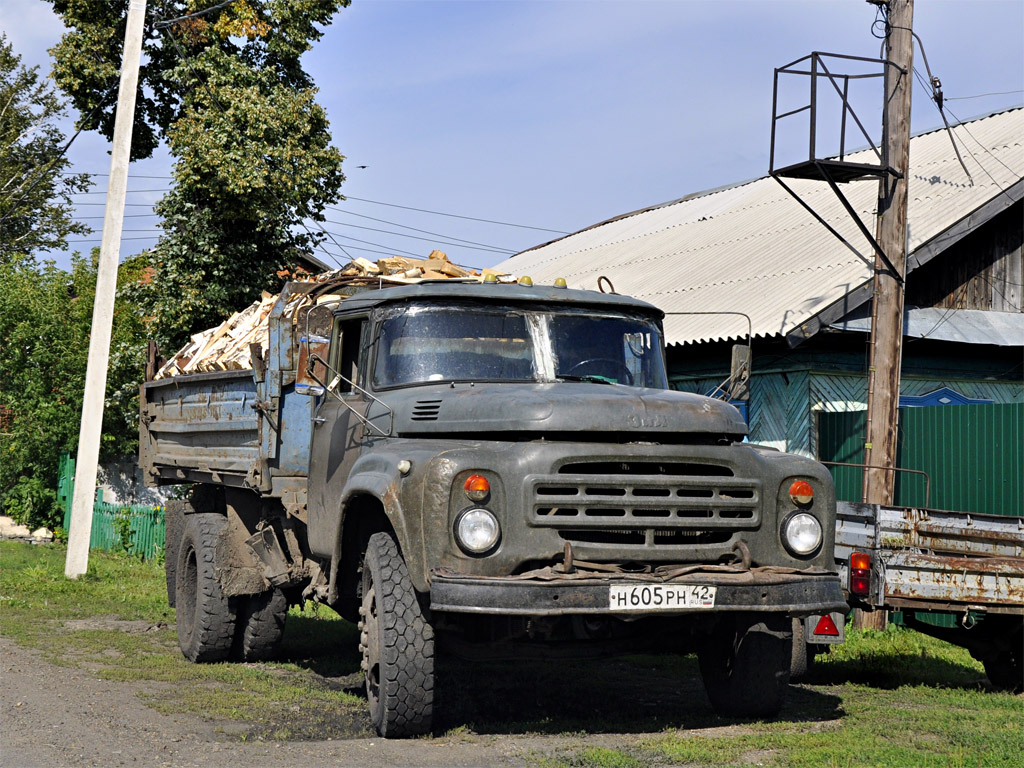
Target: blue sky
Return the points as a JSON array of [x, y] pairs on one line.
[[558, 114]]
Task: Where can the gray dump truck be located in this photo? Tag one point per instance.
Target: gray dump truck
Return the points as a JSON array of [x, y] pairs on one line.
[[479, 466]]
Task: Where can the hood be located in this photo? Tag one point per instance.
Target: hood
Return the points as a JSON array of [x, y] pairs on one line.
[[555, 407]]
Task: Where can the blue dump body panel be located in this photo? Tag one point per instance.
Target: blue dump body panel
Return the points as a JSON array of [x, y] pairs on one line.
[[243, 428]]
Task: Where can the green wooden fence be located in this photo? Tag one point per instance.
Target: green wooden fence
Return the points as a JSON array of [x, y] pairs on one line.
[[136, 529]]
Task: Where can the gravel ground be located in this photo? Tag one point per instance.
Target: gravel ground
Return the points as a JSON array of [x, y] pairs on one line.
[[52, 717]]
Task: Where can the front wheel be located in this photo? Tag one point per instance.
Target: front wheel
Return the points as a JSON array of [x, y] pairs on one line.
[[745, 663], [397, 644]]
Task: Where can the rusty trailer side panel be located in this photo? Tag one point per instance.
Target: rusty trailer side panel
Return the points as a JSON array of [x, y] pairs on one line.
[[935, 559]]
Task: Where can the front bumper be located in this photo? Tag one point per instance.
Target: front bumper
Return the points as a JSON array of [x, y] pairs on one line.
[[761, 590]]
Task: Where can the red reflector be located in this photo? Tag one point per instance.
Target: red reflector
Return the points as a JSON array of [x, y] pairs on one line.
[[860, 585], [826, 627], [860, 561]]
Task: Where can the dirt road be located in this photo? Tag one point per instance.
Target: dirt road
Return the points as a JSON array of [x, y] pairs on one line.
[[52, 717]]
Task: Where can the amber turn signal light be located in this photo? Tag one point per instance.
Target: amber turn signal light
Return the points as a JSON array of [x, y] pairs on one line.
[[477, 487], [801, 493]]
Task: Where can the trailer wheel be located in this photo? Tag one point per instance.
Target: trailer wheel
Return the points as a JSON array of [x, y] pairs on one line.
[[397, 644], [260, 625], [745, 663], [205, 617], [1005, 669]]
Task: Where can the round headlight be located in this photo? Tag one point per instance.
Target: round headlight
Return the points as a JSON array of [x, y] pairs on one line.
[[477, 531], [801, 533]]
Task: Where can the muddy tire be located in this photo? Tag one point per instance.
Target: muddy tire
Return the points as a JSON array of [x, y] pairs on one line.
[[174, 521], [397, 644], [745, 663], [802, 658], [259, 625], [206, 618]]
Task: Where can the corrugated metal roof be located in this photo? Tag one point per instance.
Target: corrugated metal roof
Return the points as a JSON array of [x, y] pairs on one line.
[[751, 248], [967, 326]]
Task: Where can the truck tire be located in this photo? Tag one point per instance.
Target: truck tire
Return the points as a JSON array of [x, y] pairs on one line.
[[260, 625], [174, 520], [397, 644], [745, 664], [802, 657], [206, 618]]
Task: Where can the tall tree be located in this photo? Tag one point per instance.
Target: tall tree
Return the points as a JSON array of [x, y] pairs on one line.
[[35, 189], [45, 320], [225, 87]]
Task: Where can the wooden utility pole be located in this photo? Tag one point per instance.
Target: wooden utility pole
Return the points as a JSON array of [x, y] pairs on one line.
[[891, 234], [77, 561], [887, 305]]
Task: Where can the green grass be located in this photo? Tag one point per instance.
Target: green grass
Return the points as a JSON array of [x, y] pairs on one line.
[[893, 698], [306, 694]]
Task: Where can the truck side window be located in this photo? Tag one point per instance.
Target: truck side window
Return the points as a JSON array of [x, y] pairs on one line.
[[349, 334]]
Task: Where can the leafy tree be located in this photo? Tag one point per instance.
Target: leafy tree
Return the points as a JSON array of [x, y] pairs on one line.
[[252, 151], [35, 193], [45, 321]]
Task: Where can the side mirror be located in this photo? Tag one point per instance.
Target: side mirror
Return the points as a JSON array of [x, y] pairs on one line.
[[314, 346], [739, 373]]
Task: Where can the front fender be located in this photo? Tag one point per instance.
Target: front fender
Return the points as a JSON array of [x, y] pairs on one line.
[[383, 486]]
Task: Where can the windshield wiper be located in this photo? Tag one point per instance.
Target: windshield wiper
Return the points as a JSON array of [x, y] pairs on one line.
[[590, 378]]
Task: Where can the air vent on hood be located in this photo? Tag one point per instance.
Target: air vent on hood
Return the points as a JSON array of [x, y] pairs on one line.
[[426, 410]]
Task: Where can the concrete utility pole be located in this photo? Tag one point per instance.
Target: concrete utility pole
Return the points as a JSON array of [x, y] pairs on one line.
[[887, 307], [103, 308]]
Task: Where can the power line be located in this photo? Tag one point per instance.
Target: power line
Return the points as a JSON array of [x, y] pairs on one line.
[[86, 173], [962, 124], [455, 215], [983, 95], [129, 191], [481, 247], [405, 226]]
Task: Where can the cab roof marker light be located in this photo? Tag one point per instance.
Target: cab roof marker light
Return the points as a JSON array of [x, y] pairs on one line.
[[526, 280], [560, 282]]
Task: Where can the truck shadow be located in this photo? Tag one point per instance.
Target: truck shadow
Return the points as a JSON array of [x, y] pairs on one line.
[[636, 694], [633, 694], [897, 670]]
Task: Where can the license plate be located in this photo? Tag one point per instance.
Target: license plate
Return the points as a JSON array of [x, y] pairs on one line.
[[660, 597]]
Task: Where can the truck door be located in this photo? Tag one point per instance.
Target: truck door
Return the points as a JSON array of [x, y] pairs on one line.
[[338, 433]]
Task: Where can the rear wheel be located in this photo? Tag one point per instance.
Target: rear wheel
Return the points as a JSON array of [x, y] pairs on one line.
[[745, 663], [397, 644], [260, 625], [205, 617]]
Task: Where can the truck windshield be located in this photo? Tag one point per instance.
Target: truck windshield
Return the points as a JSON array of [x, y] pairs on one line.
[[417, 345]]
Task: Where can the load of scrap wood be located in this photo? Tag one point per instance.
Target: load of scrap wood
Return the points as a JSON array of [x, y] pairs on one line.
[[227, 347]]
